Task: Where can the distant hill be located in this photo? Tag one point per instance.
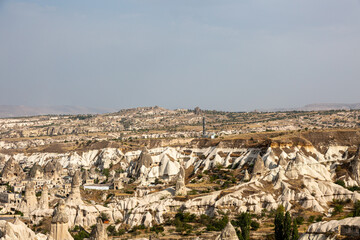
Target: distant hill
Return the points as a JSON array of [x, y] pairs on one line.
[[330, 106], [22, 111], [318, 107]]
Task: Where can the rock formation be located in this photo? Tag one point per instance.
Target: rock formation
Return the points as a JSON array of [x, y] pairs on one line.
[[228, 233], [246, 177], [36, 172], [99, 232], [74, 197], [259, 167], [59, 224], [17, 231], [53, 169], [282, 161], [347, 228], [355, 165], [144, 160], [29, 202], [85, 176], [12, 171], [180, 188], [44, 200]]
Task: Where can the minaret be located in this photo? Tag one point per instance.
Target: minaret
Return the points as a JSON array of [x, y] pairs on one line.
[[204, 130]]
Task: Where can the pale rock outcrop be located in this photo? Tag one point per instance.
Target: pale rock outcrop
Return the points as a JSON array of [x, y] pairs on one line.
[[52, 170], [12, 171], [74, 197], [228, 233], [36, 172], [44, 199], [355, 164], [180, 188], [99, 232], [147, 220], [109, 156], [17, 231], [29, 202], [59, 224], [259, 167], [282, 162], [246, 177], [85, 176], [143, 162], [330, 230]]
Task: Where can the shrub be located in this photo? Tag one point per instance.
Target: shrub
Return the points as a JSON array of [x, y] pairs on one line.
[[193, 192], [79, 233], [104, 217], [354, 188], [337, 209], [356, 211], [255, 225], [111, 230], [340, 182], [18, 213], [299, 220], [157, 228], [311, 219]]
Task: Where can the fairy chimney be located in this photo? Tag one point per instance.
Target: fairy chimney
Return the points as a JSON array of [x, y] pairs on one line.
[[59, 224]]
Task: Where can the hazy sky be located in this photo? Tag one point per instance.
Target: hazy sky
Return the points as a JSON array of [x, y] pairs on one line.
[[216, 54]]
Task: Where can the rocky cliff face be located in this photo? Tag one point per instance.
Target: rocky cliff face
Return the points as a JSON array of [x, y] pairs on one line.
[[272, 174]]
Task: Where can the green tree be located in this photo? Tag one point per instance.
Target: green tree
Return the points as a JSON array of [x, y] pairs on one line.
[[245, 221], [356, 211], [294, 232], [279, 223], [287, 227]]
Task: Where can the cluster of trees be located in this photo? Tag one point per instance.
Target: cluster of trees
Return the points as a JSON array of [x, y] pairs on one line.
[[285, 227], [111, 229], [183, 219], [79, 233], [243, 221]]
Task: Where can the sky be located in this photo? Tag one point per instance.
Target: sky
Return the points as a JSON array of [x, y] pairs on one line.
[[216, 54]]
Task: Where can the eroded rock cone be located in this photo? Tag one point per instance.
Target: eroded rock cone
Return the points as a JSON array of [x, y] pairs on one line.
[[282, 162], [29, 202], [99, 232], [259, 167], [12, 171], [52, 170], [246, 177], [59, 224], [85, 176], [299, 159], [36, 172], [44, 200], [355, 165], [180, 188], [74, 197], [143, 160], [228, 233]]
